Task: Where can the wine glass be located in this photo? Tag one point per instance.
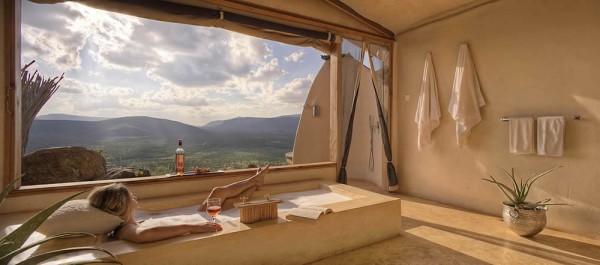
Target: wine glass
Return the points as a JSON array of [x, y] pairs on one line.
[[213, 207]]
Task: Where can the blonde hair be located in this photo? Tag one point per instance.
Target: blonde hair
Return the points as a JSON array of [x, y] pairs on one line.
[[114, 198]]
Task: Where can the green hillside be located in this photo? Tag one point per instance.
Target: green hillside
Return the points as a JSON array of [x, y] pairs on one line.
[[149, 143]]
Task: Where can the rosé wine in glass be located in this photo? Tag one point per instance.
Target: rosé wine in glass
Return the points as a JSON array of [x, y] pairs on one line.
[[213, 207]]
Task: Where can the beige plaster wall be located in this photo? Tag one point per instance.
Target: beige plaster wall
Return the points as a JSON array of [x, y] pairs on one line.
[[312, 137], [534, 58]]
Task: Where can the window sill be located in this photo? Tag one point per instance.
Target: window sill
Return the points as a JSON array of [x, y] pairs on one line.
[[36, 197]]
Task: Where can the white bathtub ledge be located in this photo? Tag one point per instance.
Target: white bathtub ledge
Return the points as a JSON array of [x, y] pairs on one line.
[[367, 219]]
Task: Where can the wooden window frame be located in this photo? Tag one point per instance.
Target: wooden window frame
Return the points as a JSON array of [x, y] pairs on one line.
[[10, 117], [11, 114]]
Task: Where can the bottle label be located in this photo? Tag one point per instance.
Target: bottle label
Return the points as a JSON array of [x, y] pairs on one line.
[[179, 164]]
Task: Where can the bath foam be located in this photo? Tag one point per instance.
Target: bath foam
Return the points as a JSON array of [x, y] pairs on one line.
[[190, 214]]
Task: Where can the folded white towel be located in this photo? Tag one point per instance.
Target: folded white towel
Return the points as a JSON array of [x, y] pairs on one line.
[[428, 109], [520, 135], [550, 135], [466, 98]]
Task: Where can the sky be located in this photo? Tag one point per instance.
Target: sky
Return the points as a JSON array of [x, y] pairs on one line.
[[117, 65]]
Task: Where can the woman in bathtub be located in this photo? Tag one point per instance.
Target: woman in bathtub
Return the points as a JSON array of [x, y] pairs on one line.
[[118, 200]]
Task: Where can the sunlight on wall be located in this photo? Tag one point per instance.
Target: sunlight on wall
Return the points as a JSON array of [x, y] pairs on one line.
[[533, 59], [590, 104]]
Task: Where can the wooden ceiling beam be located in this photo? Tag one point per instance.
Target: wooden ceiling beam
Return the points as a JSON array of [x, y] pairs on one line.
[[300, 19], [445, 15], [370, 23]]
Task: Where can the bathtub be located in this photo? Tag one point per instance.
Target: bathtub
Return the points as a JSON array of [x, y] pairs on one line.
[[359, 218]]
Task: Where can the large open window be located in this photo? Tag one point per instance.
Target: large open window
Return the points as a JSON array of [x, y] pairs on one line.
[[189, 88], [132, 87]]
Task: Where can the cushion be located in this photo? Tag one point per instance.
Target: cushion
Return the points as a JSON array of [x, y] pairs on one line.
[[79, 216]]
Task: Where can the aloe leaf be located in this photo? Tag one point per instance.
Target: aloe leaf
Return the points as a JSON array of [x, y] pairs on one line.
[[512, 178], [20, 235], [8, 188], [72, 235], [534, 178], [522, 185], [503, 188], [48, 255], [543, 173], [543, 201], [37, 243], [5, 243], [104, 261], [526, 191], [522, 188], [529, 206]]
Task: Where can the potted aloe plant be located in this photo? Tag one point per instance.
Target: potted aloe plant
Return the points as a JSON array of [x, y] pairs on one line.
[[522, 216]]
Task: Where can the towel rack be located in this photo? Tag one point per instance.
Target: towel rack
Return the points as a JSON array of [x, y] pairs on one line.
[[573, 117]]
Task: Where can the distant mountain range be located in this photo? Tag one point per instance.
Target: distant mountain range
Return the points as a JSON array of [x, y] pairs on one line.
[[282, 124], [70, 130], [69, 117]]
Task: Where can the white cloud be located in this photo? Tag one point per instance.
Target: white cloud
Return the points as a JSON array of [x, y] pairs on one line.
[[56, 34], [191, 71], [58, 50], [70, 86], [138, 106], [295, 57], [255, 85], [247, 49], [295, 92], [70, 90], [180, 55], [117, 65], [268, 71], [73, 86], [120, 91], [78, 97], [177, 96]]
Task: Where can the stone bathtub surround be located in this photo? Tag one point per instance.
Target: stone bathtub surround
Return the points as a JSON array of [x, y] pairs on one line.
[[365, 218]]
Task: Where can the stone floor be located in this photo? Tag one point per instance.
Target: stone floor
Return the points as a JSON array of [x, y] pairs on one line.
[[434, 233]]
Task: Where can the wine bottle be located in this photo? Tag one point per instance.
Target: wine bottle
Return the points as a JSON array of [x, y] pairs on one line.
[[179, 157]]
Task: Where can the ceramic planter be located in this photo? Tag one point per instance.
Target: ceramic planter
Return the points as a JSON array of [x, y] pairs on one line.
[[525, 222]]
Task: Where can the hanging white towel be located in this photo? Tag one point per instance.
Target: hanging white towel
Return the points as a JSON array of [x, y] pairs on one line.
[[428, 108], [520, 136], [466, 98], [550, 138]]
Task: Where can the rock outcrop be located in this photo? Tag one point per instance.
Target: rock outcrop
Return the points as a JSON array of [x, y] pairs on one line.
[[62, 164], [127, 172]]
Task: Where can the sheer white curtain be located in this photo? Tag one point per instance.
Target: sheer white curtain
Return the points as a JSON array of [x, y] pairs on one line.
[[379, 62], [352, 57], [379, 65], [380, 56], [351, 65]]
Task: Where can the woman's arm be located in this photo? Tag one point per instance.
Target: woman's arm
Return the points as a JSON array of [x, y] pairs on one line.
[[137, 234]]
